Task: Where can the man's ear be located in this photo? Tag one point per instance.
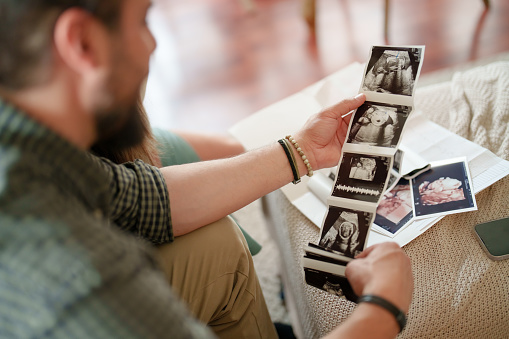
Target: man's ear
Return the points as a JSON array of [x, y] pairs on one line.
[[81, 41]]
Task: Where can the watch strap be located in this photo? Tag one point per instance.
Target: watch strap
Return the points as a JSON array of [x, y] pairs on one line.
[[398, 314]]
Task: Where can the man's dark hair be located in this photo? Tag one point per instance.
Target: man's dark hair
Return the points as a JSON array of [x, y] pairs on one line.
[[26, 29]]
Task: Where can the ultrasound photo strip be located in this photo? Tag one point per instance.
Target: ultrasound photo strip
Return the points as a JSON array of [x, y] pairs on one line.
[[373, 136], [365, 165]]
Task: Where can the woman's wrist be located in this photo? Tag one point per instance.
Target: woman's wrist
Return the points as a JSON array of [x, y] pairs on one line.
[[303, 155]]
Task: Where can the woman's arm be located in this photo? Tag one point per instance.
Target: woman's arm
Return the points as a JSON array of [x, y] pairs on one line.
[[212, 146], [204, 192]]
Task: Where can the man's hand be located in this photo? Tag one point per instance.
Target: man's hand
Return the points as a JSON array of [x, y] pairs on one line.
[[323, 135], [383, 270]]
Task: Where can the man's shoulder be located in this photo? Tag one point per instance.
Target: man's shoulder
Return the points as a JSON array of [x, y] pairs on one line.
[[45, 270], [38, 201], [40, 258]]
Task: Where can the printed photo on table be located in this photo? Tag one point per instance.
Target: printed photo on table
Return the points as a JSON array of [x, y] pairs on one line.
[[378, 124], [392, 70], [395, 210], [344, 230], [362, 177], [444, 189]]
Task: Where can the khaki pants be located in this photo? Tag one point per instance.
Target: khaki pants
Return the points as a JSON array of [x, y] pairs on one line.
[[212, 271]]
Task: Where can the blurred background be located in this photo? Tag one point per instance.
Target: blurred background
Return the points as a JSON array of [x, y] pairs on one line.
[[218, 61]]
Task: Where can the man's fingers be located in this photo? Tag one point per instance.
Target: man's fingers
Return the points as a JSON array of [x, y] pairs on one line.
[[350, 104], [387, 245], [345, 106], [367, 251]]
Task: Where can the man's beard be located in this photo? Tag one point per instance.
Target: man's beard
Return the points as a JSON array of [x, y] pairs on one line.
[[114, 139], [119, 122]]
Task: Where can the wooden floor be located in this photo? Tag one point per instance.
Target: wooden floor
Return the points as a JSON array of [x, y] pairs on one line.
[[216, 63]]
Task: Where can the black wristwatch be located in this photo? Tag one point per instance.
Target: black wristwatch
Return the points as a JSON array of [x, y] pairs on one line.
[[398, 314]]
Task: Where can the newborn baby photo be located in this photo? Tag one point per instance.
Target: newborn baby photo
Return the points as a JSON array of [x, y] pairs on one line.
[[395, 210]]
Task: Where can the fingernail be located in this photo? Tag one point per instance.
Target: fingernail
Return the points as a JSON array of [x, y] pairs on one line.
[[358, 96]]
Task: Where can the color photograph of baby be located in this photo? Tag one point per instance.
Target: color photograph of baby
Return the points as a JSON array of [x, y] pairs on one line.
[[443, 189], [377, 124], [392, 70], [395, 209], [344, 231]]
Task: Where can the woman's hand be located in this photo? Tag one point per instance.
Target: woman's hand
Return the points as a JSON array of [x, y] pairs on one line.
[[323, 135]]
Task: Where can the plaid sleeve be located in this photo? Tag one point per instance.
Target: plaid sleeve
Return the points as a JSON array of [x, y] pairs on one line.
[[140, 202]]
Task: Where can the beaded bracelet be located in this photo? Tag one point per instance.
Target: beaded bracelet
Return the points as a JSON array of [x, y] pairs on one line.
[[291, 159], [302, 155]]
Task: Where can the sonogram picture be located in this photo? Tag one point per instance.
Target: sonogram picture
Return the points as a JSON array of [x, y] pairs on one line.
[[373, 137]]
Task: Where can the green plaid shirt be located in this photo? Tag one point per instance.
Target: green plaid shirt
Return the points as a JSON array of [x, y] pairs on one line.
[[66, 271]]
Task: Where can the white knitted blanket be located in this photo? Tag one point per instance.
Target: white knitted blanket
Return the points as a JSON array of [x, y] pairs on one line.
[[474, 105]]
